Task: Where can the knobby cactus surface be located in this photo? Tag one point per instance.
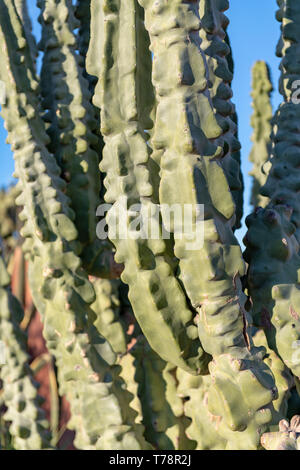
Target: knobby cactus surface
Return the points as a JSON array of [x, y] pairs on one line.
[[158, 341]]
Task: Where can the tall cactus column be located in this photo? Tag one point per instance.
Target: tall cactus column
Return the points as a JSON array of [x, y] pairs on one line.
[[125, 95], [218, 56], [85, 362], [261, 123], [28, 424], [273, 236], [185, 129], [71, 124]]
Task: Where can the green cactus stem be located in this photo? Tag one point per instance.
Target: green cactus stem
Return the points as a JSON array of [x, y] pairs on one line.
[[282, 183], [237, 195], [273, 256], [212, 33], [158, 301], [107, 310], [85, 362], [9, 221], [261, 124], [283, 378], [27, 422], [161, 407], [287, 438], [273, 237], [185, 130], [22, 10], [71, 125], [203, 428]]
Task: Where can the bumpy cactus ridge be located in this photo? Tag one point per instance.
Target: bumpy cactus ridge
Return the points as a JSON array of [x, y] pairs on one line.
[[202, 430], [8, 216], [131, 174], [212, 33], [230, 408], [178, 433], [237, 195], [188, 161], [70, 114], [195, 390], [22, 9], [273, 256], [283, 378], [287, 438], [83, 14], [72, 120], [283, 178], [107, 308], [27, 423], [261, 124], [273, 274], [84, 375], [161, 407]]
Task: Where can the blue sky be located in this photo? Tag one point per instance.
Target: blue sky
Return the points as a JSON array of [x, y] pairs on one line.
[[254, 33]]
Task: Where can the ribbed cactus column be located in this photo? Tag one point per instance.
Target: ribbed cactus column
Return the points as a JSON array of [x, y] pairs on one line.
[[22, 10], [28, 424], [213, 42], [83, 14], [261, 124], [238, 195], [185, 130], [107, 309], [125, 95], [99, 402], [71, 125], [273, 236], [203, 428], [282, 185], [161, 407]]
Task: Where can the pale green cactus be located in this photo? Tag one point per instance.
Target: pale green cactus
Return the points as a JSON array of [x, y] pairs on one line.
[[131, 174], [273, 236], [260, 121], [27, 422], [288, 437], [82, 356], [143, 88], [190, 160], [107, 309], [214, 43]]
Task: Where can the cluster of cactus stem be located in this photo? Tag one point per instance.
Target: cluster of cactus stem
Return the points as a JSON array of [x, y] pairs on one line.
[[156, 346]]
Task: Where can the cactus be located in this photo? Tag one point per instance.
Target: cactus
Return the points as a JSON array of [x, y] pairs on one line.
[[188, 158], [260, 120], [27, 423], [219, 60], [149, 267], [10, 224], [163, 342], [238, 195], [159, 404], [272, 239], [51, 237], [288, 437]]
